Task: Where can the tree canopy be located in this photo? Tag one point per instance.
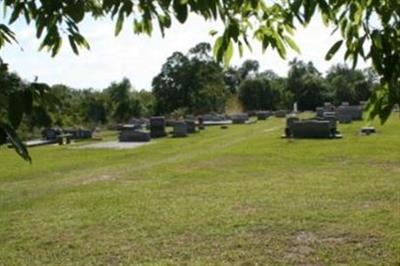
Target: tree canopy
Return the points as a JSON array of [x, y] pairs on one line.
[[369, 29]]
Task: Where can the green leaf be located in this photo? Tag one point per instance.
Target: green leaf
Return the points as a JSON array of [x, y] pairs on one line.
[[217, 46], [181, 11], [213, 32], [76, 11], [332, 51], [119, 24], [73, 44], [27, 101], [3, 136], [15, 109], [228, 54], [15, 141], [292, 44]]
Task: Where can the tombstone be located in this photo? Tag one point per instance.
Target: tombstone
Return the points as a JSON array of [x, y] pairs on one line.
[[252, 113], [319, 111], [180, 129], [345, 104], [344, 118], [157, 127], [239, 118], [79, 133], [131, 134], [200, 122], [312, 129], [354, 111], [263, 115], [295, 109], [169, 122], [289, 122], [51, 133], [331, 118], [329, 107], [280, 114], [213, 117], [191, 126]]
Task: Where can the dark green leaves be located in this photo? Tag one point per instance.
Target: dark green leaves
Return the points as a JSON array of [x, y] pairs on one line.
[[15, 141], [76, 10], [15, 109], [332, 51], [181, 10]]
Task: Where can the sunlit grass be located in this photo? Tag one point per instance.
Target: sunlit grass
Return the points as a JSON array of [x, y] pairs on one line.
[[234, 196]]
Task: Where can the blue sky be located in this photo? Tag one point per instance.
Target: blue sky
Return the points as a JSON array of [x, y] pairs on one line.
[[139, 57]]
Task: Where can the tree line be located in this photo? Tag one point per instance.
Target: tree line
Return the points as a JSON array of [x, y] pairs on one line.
[[194, 83]]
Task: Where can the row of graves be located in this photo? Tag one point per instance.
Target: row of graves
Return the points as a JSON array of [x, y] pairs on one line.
[[143, 130], [241, 118], [345, 113], [325, 123], [60, 136]]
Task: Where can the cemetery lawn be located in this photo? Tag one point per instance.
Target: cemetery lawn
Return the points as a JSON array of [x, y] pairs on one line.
[[221, 197]]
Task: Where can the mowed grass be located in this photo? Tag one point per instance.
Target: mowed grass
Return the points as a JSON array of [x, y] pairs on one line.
[[239, 196]]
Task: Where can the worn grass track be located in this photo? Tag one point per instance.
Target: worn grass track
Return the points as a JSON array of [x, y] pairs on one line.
[[235, 196]]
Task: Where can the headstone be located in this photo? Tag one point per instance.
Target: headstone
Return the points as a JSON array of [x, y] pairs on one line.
[[79, 133], [133, 135], [51, 133], [311, 129], [213, 117], [319, 111], [263, 115], [169, 122], [200, 121], [280, 113], [329, 107], [180, 129], [331, 117], [289, 122], [252, 113], [354, 111], [295, 107], [344, 118], [191, 126], [157, 127], [239, 118]]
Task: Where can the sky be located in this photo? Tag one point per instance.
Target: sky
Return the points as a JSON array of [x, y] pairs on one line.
[[140, 57]]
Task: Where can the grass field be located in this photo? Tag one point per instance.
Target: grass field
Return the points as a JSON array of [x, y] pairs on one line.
[[239, 196]]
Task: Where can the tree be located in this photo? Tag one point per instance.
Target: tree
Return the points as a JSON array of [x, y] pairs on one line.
[[194, 82], [306, 84], [122, 105], [257, 94], [349, 85], [369, 29], [249, 68]]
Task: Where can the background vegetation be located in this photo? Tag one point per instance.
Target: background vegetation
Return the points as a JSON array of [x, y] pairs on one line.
[[194, 83]]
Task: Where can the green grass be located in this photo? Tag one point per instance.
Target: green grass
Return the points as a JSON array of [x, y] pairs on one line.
[[235, 196]]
